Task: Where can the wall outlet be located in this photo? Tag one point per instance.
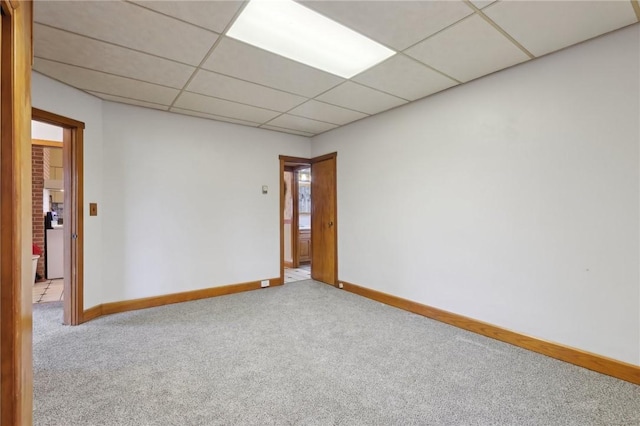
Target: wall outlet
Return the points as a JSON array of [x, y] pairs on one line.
[[264, 283]]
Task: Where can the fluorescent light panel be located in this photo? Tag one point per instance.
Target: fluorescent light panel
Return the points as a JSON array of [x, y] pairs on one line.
[[295, 32]]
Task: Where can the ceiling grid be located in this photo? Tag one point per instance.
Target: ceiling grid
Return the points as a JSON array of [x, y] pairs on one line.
[[175, 55]]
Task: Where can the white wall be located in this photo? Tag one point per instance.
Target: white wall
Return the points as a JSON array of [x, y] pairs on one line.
[[513, 199], [180, 204], [45, 131], [183, 205], [52, 96]]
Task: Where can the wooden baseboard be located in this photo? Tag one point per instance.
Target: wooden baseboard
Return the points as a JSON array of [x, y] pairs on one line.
[[288, 264], [591, 361], [167, 299], [91, 313], [275, 282]]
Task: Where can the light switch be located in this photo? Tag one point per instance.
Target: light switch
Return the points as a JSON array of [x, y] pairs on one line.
[[265, 189], [93, 209]]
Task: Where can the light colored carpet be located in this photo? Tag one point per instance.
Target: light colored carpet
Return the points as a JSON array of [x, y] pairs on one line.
[[303, 354]]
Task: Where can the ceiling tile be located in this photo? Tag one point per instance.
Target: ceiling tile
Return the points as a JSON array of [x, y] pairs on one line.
[[220, 86], [281, 130], [546, 26], [213, 117], [405, 78], [301, 124], [129, 101], [355, 96], [105, 83], [467, 50], [232, 57], [397, 24], [482, 3], [213, 15], [224, 108], [325, 112], [139, 28], [73, 49]]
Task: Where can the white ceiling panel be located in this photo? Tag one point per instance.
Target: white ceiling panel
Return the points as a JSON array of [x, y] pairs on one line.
[[74, 49], [213, 15], [213, 117], [129, 101], [129, 25], [220, 86], [404, 77], [328, 113], [215, 106], [467, 50], [301, 124], [148, 53], [105, 83], [397, 24], [281, 130], [234, 58], [482, 3], [546, 26], [357, 97]]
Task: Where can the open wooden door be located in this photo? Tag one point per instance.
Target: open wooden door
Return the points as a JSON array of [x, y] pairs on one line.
[[16, 281], [324, 224]]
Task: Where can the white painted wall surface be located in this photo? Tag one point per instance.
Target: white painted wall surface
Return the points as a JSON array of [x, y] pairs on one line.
[[513, 199], [52, 96], [183, 202], [45, 131]]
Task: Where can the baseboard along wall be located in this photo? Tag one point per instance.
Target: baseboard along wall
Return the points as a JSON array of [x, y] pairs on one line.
[[167, 299], [591, 361]]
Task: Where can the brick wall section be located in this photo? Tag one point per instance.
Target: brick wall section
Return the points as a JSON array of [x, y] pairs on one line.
[[37, 187], [46, 162]]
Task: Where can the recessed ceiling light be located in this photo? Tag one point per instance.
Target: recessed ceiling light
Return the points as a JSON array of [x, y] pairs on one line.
[[295, 32]]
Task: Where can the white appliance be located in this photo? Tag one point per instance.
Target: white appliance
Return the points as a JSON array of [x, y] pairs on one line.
[[55, 253]]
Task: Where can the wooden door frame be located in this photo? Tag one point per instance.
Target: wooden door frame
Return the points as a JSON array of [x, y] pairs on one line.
[[293, 161], [304, 162], [73, 231], [294, 215], [16, 373]]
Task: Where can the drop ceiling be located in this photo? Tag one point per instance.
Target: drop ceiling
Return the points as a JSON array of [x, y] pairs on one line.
[[174, 55]]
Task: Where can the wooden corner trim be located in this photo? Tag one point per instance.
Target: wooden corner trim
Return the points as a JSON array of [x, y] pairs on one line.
[[186, 296], [274, 282], [591, 361], [290, 159], [55, 119], [92, 313]]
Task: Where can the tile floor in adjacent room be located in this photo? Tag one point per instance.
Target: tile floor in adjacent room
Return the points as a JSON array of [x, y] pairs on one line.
[[48, 291], [303, 272]]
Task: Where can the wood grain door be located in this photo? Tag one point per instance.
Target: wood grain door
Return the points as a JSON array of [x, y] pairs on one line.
[[16, 281], [324, 226]]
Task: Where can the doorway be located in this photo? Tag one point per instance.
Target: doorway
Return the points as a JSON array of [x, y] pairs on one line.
[[308, 219], [297, 222], [47, 198], [72, 213]]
